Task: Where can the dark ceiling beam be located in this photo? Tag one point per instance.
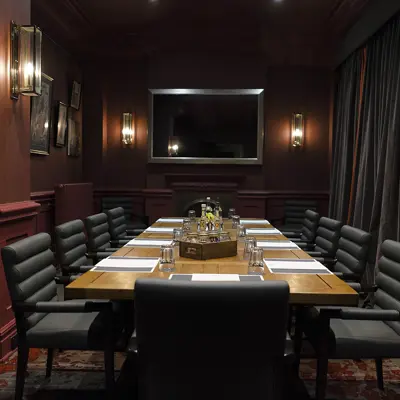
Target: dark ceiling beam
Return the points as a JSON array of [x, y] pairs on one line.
[[373, 17]]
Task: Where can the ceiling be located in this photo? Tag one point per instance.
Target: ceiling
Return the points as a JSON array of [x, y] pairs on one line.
[[285, 31]]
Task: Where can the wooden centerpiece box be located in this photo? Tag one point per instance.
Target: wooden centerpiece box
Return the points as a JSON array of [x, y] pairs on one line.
[[207, 251]]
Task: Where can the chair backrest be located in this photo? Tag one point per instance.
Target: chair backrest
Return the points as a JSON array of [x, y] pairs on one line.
[[387, 295], [224, 338], [97, 232], [116, 223], [328, 234], [353, 251], [294, 211], [310, 226], [30, 272], [71, 244]]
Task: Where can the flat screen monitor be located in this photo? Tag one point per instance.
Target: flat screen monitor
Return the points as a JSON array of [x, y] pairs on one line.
[[206, 126]]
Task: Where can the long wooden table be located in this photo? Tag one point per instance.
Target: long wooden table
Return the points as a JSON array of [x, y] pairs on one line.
[[304, 289]]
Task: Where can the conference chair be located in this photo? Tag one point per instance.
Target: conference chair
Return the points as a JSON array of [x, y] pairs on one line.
[[326, 241], [133, 221], [308, 231], [118, 227], [361, 333], [294, 211], [44, 322], [71, 251], [98, 235], [353, 254], [211, 340]]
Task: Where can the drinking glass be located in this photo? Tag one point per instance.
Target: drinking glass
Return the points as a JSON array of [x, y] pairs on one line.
[[178, 235], [249, 243], [167, 259], [187, 225], [231, 213], [256, 262], [192, 215], [224, 236], [240, 232], [235, 221]]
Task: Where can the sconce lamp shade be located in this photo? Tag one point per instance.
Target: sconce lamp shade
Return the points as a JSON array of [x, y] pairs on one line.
[[127, 129], [297, 130], [26, 60], [173, 146]]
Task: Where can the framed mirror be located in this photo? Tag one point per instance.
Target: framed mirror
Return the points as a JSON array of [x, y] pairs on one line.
[[206, 126]]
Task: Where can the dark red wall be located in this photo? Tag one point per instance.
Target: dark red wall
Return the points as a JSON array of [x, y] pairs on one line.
[[57, 168], [14, 115], [123, 86]]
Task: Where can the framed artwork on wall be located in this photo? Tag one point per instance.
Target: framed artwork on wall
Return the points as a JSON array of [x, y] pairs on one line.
[[76, 95], [74, 138], [41, 109], [61, 130]]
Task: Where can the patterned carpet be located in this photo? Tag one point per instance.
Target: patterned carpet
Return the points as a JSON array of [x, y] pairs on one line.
[[79, 375]]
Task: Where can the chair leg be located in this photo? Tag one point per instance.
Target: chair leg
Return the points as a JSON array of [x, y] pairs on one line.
[[23, 354], [322, 361], [379, 373], [49, 363], [109, 370]]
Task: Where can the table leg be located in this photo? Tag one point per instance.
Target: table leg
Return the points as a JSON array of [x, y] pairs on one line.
[[322, 361], [298, 338]]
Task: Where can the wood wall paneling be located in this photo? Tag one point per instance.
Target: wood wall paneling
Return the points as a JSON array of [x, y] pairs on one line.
[[17, 221], [45, 217], [14, 115]]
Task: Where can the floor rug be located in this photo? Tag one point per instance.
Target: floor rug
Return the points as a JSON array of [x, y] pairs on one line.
[[79, 375]]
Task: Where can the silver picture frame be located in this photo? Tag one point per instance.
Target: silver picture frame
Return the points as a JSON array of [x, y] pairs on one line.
[[196, 160]]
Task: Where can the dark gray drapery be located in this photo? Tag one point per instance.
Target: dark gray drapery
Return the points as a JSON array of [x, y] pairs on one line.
[[346, 112], [374, 205]]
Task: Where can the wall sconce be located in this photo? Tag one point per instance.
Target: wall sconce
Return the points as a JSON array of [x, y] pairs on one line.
[[127, 129], [25, 60], [297, 130], [173, 146]]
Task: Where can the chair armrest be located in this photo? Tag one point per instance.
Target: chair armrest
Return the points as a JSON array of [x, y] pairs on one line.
[[370, 315], [134, 232], [64, 307], [65, 280], [292, 235], [69, 269], [112, 249], [99, 255], [347, 276], [315, 254], [119, 242], [360, 314]]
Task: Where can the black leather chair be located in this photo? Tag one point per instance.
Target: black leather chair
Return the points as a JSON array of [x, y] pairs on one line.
[[98, 235], [326, 240], [133, 220], [211, 340], [308, 231], [353, 253], [358, 333], [294, 211], [71, 250], [44, 322], [119, 232]]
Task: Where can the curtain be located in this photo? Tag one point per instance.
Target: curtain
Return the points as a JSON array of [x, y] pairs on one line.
[[346, 111], [373, 194]]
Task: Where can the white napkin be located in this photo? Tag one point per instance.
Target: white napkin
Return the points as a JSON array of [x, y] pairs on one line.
[[277, 244], [157, 229], [148, 243], [178, 220], [263, 231], [253, 221]]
